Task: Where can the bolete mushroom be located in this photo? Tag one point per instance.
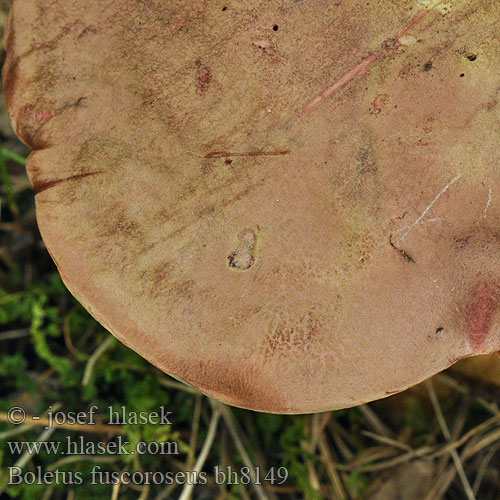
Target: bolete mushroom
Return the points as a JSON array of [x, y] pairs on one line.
[[293, 206]]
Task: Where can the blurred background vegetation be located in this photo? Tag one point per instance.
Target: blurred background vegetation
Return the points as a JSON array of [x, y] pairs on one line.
[[438, 440]]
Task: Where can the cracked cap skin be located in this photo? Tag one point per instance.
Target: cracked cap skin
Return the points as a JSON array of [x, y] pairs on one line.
[[292, 220]]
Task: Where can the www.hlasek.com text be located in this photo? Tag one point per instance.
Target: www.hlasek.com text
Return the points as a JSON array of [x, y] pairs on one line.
[[79, 446]]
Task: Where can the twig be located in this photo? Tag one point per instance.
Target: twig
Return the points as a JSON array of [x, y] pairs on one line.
[[15, 334], [116, 490], [24, 427], [67, 334], [188, 487], [89, 367], [362, 67]]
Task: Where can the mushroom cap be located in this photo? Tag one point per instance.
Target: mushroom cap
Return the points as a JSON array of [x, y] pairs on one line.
[[292, 206]]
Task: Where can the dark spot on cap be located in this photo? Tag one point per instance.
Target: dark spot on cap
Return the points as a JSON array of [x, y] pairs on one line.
[[204, 78], [243, 257], [428, 66]]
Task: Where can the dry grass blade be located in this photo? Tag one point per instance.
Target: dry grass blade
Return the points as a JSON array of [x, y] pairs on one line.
[[198, 466], [466, 437], [387, 464], [451, 382], [26, 457], [13, 432], [164, 494], [236, 435], [333, 475], [82, 458], [482, 468], [387, 440], [470, 449], [10, 155], [145, 492], [172, 384], [442, 482], [26, 426], [338, 433], [374, 421], [487, 440], [444, 428], [369, 455], [89, 367], [310, 447], [194, 431]]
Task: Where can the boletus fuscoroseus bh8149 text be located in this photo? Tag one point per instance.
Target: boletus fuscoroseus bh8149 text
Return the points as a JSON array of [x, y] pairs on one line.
[[293, 206]]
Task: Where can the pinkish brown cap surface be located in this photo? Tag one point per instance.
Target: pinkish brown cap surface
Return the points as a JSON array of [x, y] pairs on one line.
[[293, 206]]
